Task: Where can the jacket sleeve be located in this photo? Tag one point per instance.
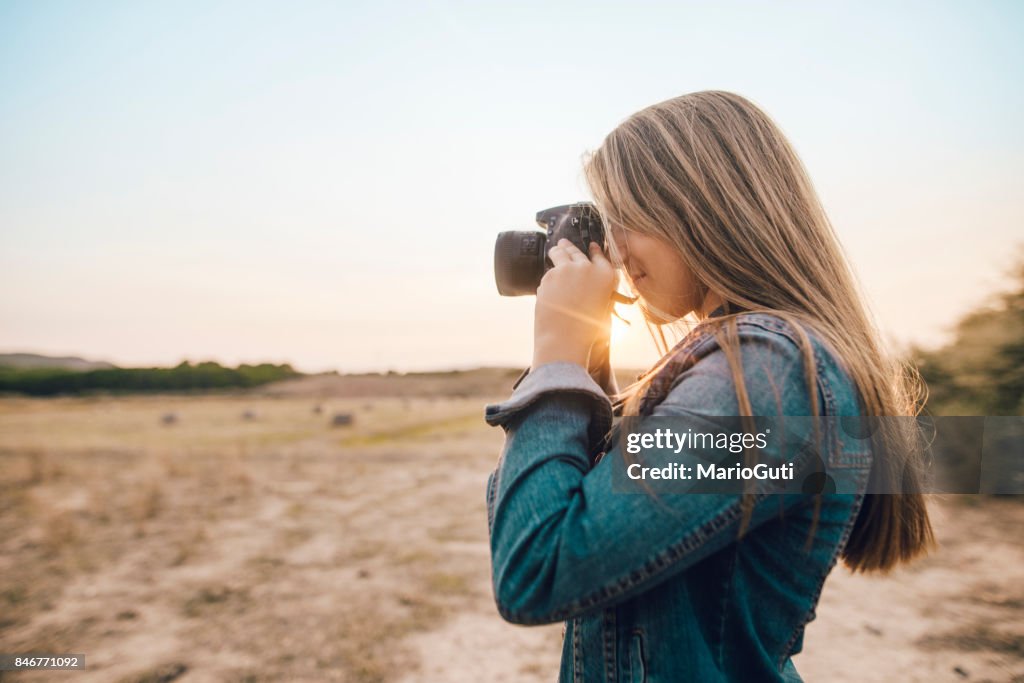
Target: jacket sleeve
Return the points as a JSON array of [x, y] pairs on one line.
[[563, 542], [567, 379], [560, 377]]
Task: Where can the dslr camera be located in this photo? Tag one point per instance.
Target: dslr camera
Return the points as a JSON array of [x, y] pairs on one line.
[[521, 256]]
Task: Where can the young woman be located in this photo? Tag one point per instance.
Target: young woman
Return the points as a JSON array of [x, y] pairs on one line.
[[711, 215]]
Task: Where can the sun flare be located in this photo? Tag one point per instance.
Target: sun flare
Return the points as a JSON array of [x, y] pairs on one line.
[[619, 329]]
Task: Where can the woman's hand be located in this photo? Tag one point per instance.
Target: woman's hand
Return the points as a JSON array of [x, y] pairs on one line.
[[574, 302]]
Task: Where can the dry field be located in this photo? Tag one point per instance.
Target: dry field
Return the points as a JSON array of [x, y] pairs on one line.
[[273, 546]]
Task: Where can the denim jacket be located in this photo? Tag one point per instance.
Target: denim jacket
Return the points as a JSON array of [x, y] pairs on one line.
[[662, 590]]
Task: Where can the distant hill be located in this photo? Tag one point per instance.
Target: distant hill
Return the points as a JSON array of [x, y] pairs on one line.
[[490, 382], [31, 361], [455, 383]]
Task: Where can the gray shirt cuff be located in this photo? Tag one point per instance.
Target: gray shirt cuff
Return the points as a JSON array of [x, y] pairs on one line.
[[559, 376]]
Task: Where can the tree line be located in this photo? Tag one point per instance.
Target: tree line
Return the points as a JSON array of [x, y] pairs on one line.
[[981, 370], [184, 377]]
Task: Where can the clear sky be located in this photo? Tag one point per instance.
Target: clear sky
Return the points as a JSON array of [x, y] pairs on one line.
[[321, 183]]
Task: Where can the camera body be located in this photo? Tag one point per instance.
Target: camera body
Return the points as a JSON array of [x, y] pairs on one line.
[[521, 256]]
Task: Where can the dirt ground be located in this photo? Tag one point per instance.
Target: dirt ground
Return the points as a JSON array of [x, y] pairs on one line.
[[247, 539]]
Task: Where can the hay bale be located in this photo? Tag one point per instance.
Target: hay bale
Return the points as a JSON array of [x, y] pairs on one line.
[[342, 420]]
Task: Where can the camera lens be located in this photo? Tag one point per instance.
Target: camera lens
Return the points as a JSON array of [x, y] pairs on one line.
[[519, 261]]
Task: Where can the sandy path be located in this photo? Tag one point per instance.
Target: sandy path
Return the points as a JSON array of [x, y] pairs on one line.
[[957, 615]]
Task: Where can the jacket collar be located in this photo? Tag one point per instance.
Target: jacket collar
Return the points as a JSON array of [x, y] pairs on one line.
[[720, 311]]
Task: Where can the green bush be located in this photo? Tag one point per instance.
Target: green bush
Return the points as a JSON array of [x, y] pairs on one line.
[[183, 377], [981, 371]]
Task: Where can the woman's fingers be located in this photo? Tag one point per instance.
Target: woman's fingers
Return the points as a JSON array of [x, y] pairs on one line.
[[574, 253], [570, 250], [559, 255], [597, 254], [567, 252]]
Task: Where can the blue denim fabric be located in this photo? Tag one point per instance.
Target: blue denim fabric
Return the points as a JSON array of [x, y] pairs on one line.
[[661, 589]]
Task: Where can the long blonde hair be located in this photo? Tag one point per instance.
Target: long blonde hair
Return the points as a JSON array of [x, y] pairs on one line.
[[711, 174]]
